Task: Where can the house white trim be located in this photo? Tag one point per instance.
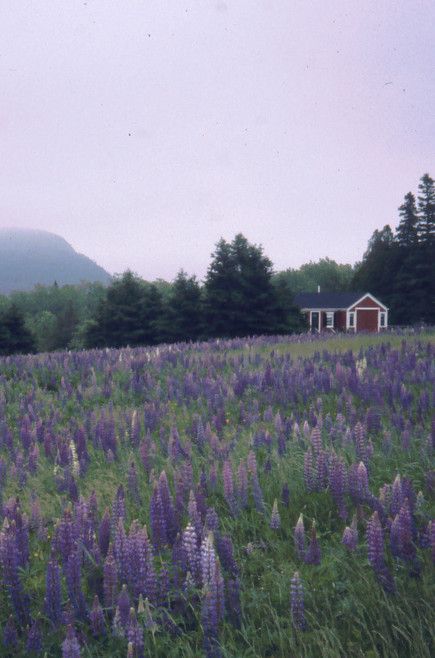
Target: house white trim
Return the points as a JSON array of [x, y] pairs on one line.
[[367, 294]]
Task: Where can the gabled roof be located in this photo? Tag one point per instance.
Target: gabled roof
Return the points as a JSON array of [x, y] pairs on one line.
[[328, 299]]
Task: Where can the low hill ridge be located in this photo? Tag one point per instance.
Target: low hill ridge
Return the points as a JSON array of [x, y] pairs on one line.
[[30, 256]]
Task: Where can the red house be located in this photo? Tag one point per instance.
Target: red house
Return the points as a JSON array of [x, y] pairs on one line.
[[342, 311]]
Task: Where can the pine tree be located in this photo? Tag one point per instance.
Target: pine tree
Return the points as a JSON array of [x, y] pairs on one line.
[[240, 299], [407, 231], [183, 316], [426, 209]]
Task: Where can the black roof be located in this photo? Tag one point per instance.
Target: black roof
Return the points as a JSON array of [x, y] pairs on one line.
[[327, 299]]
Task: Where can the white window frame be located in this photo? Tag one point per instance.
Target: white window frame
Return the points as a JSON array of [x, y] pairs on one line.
[[351, 316], [383, 314], [329, 319]]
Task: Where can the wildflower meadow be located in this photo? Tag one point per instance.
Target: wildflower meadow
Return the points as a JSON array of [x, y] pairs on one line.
[[253, 497]]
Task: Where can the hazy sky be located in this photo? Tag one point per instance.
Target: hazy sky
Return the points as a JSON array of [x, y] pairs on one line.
[[143, 131]]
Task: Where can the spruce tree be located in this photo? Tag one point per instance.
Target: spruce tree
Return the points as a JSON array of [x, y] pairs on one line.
[[426, 209], [183, 316], [240, 299], [407, 231]]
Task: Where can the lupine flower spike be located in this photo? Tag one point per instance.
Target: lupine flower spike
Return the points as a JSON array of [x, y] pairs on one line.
[[275, 521], [297, 602]]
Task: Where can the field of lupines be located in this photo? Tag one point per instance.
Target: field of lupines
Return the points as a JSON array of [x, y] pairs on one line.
[[256, 497]]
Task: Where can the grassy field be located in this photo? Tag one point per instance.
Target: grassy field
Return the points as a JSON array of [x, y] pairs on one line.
[[234, 426]]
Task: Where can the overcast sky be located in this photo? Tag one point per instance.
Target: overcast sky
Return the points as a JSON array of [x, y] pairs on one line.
[[142, 131]]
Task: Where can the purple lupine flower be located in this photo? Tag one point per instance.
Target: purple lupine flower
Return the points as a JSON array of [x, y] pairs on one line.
[[375, 545], [65, 536], [394, 536], [225, 550], [52, 600], [158, 522], [117, 628], [22, 537], [194, 515], [313, 554], [110, 579], [34, 639], [10, 635], [212, 520], [70, 645], [285, 495], [362, 483], [104, 532], [406, 545], [212, 476], [212, 604], [299, 537], [227, 473], [132, 483], [297, 602], [316, 441], [207, 558], [118, 507], [257, 494], [321, 470], [375, 542], [309, 471], [275, 520], [134, 633], [385, 497], [123, 605], [167, 507], [73, 583], [242, 484], [96, 617], [420, 503], [151, 585], [396, 496], [120, 551], [252, 463], [350, 536], [360, 439], [190, 547], [10, 562]]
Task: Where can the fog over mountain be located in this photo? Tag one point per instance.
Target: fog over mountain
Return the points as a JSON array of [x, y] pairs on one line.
[[29, 257]]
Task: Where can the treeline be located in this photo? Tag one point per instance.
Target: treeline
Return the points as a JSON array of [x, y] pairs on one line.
[[241, 295], [238, 298], [399, 267]]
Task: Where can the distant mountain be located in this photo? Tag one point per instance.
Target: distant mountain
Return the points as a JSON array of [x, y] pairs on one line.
[[29, 257]]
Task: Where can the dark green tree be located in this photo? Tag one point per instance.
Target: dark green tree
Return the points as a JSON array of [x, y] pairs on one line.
[[131, 315], [183, 310], [374, 273], [15, 338], [407, 231], [239, 296], [426, 209], [151, 317]]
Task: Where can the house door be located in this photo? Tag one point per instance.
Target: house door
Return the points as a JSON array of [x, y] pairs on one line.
[[315, 321]]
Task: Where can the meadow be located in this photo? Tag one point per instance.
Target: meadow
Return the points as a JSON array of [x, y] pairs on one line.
[[246, 498]]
